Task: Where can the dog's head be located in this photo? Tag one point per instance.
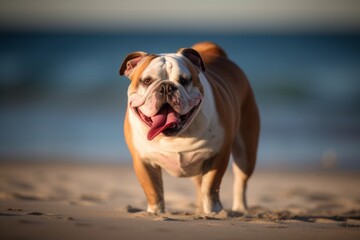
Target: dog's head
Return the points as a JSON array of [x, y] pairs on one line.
[[165, 91]]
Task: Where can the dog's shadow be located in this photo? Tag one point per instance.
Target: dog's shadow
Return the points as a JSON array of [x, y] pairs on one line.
[[255, 213]]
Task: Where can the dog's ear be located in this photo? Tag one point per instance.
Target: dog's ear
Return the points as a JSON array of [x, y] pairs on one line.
[[130, 62], [193, 56]]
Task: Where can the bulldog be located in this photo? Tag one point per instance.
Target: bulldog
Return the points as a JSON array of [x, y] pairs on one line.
[[187, 113]]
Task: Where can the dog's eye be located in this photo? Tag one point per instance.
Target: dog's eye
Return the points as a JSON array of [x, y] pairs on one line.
[[184, 81], [146, 81]]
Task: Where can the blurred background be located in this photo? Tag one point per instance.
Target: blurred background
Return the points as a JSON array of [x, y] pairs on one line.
[[61, 97]]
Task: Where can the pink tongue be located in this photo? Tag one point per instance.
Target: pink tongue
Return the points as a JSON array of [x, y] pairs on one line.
[[162, 120]]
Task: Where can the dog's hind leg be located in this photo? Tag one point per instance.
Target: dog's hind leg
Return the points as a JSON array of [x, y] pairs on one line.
[[244, 150], [240, 176]]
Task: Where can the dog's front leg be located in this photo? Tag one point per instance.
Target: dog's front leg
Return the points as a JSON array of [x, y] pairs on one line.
[[214, 170], [150, 179]]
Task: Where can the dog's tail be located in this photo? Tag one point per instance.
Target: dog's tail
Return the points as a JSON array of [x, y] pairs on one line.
[[209, 48]]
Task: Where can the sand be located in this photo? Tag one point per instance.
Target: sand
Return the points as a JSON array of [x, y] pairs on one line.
[[93, 201]]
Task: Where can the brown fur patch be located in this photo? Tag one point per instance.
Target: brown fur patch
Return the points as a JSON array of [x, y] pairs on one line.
[[136, 75], [209, 48], [195, 76]]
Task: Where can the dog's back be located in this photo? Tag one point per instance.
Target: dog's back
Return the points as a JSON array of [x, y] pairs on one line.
[[209, 48]]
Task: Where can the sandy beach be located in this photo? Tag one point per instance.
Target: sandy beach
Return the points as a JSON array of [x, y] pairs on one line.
[[93, 201]]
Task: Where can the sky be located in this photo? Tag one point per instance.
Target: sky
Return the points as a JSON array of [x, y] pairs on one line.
[[188, 15]]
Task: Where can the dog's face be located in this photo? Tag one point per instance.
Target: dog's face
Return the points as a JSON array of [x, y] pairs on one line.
[[165, 91]]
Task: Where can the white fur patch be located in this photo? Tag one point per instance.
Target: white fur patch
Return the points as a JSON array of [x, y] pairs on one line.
[[184, 154]]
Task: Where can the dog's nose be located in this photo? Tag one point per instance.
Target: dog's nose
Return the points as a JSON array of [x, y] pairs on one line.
[[168, 88]]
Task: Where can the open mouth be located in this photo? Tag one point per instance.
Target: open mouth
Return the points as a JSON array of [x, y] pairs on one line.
[[166, 121]]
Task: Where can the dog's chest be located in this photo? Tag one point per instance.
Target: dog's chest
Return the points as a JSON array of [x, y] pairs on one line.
[[180, 159], [181, 156]]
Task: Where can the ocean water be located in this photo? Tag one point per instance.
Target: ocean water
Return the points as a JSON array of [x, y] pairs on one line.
[[61, 95]]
